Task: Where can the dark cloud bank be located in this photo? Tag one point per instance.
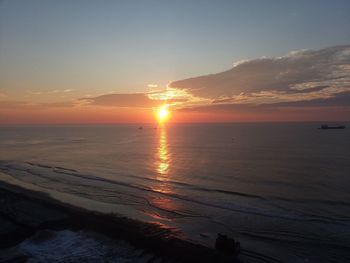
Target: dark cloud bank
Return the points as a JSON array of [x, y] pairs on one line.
[[301, 78]]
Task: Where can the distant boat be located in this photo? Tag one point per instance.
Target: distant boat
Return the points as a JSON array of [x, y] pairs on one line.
[[140, 128], [326, 127]]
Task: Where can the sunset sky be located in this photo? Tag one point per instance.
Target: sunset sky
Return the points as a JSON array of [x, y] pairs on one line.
[[209, 61]]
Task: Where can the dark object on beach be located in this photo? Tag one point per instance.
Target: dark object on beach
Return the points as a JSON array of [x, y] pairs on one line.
[[204, 235], [140, 128], [227, 246], [326, 127]]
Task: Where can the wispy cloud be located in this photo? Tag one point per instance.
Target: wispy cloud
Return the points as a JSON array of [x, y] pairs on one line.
[[55, 91], [138, 100], [34, 92], [171, 96], [152, 99], [35, 106]]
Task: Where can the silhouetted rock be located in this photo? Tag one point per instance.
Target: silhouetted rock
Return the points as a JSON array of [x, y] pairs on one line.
[[227, 246]]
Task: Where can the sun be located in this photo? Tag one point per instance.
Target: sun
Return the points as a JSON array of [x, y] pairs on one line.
[[163, 114]]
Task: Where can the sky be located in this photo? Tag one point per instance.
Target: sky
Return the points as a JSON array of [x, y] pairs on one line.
[[116, 61]]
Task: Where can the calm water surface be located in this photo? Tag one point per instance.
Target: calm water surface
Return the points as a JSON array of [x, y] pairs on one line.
[[283, 190]]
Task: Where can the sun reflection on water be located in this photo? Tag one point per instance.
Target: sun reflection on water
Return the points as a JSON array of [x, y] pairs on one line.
[[162, 164], [163, 201], [163, 155]]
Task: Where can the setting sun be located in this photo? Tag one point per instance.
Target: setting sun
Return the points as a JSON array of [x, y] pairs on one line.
[[163, 113]]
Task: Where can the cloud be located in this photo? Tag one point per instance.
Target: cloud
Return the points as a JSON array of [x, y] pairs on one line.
[[171, 96], [38, 92], [334, 109], [138, 100], [34, 92], [68, 90], [35, 106], [152, 99], [342, 100], [298, 76], [152, 85]]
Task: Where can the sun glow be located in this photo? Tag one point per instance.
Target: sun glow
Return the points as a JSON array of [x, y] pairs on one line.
[[163, 114]]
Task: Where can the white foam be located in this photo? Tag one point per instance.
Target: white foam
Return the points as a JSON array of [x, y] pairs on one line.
[[69, 246]]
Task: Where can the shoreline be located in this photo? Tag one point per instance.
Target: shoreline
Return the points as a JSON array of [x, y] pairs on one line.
[[24, 212]]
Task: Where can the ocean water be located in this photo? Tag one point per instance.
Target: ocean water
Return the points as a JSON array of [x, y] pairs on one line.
[[281, 189]]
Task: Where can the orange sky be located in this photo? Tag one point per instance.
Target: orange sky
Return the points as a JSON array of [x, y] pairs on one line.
[[299, 86], [101, 115]]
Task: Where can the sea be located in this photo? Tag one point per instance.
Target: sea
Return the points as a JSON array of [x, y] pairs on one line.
[[281, 189]]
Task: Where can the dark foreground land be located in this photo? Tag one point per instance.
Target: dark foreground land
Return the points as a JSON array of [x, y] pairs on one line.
[[29, 215]]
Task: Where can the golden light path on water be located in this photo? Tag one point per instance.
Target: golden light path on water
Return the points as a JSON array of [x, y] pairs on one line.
[[163, 154], [162, 172], [163, 160]]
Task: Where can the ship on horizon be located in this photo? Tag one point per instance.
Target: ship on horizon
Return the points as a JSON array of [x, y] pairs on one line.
[[326, 127]]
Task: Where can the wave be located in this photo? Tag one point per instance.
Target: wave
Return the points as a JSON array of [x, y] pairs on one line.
[[48, 172]]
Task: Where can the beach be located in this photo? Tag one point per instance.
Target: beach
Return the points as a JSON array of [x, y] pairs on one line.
[[34, 225]]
